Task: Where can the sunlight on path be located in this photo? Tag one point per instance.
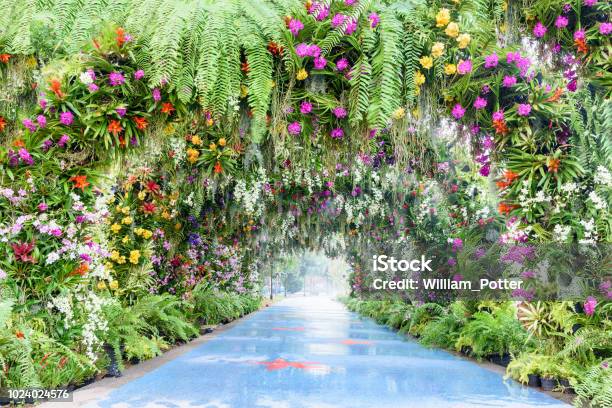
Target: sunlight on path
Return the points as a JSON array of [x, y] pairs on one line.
[[312, 353]]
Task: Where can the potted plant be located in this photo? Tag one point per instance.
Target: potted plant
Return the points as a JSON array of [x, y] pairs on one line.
[[524, 369]]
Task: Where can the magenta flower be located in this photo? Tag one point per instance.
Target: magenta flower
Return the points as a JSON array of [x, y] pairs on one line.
[[302, 50], [491, 61], [523, 109], [156, 94], [457, 244], [605, 28], [314, 50], [498, 115], [374, 20], [480, 103], [509, 81], [66, 118], [41, 120], [350, 2], [487, 141], [305, 108], [452, 261], [458, 111], [589, 306], [138, 75], [121, 112], [351, 27], [590, 3], [116, 79], [93, 87], [512, 57], [47, 144], [337, 133], [320, 62], [25, 156], [295, 26], [539, 30], [339, 112], [42, 207], [42, 103], [561, 22], [572, 85], [579, 35], [31, 126], [464, 67], [294, 128], [63, 140], [337, 20], [342, 64], [485, 170]]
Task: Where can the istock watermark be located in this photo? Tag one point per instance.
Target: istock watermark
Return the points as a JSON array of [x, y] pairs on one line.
[[384, 263]]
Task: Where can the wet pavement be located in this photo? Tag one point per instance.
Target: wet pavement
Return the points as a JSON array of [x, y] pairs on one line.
[[310, 352]]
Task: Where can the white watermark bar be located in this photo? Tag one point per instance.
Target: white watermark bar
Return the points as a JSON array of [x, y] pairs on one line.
[[34, 395]]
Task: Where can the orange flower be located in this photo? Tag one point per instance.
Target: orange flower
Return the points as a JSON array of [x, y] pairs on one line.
[[218, 169], [502, 184], [80, 181], [4, 58], [510, 176], [2, 124], [81, 269], [274, 48], [114, 127], [19, 334], [141, 123], [167, 107], [55, 87], [19, 143], [245, 67], [500, 127], [505, 208], [581, 44], [120, 36], [122, 142], [555, 97], [553, 165]]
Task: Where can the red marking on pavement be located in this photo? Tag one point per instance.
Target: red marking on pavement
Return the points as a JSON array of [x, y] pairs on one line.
[[353, 342], [288, 328], [280, 364]]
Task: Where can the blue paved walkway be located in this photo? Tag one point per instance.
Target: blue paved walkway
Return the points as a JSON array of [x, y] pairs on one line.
[[312, 353]]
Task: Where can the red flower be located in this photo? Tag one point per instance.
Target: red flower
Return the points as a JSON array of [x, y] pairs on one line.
[[148, 208], [19, 334], [80, 181], [141, 123], [153, 187], [2, 124], [22, 251], [168, 108], [245, 67], [114, 127], [4, 58], [218, 169]]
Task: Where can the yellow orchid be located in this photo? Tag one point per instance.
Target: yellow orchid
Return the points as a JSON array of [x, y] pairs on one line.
[[437, 50], [450, 69], [452, 30], [464, 40], [301, 75], [443, 17], [426, 62]]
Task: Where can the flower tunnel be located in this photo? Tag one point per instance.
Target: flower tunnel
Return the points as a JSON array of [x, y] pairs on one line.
[[158, 157]]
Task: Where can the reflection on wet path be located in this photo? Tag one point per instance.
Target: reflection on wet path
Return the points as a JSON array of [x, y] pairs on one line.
[[312, 353]]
